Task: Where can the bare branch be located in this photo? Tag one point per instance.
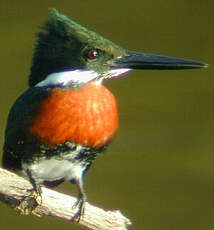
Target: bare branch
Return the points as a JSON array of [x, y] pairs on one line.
[[13, 189]]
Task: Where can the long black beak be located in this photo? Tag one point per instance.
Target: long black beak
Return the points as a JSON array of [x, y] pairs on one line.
[[137, 60]]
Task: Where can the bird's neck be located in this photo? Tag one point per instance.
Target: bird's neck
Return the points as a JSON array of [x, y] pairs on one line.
[[70, 78]]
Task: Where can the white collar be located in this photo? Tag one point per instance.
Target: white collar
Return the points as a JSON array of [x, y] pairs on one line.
[[67, 78], [72, 77]]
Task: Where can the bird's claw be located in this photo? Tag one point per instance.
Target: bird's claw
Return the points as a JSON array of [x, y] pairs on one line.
[[80, 204], [29, 203]]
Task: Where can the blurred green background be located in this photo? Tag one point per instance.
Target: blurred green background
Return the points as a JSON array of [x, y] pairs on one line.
[[159, 169]]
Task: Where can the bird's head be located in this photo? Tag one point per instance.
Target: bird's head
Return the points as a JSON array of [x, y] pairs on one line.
[[67, 53]]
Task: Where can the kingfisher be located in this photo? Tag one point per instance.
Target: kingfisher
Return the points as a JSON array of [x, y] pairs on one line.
[[67, 117]]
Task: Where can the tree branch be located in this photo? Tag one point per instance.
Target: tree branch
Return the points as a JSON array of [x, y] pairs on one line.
[[13, 189]]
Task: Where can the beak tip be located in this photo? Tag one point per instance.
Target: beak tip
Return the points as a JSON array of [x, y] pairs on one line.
[[205, 65]]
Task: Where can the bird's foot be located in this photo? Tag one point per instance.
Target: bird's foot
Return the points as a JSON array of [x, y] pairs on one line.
[[29, 203], [80, 204]]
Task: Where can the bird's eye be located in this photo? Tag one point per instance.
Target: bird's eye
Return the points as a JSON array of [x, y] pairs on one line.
[[93, 53]]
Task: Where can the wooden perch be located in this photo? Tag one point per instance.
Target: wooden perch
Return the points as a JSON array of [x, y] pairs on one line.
[[13, 189]]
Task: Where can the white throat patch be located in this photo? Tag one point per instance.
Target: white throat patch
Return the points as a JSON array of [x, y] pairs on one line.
[[72, 77], [68, 78]]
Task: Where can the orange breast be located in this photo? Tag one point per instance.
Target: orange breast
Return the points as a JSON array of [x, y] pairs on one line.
[[86, 116]]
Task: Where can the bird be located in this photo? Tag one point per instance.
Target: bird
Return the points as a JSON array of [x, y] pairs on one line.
[[67, 117]]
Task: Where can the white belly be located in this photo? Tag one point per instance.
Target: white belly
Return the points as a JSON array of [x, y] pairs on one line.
[[55, 168]]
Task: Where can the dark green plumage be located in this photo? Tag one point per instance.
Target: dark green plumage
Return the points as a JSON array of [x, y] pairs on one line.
[[63, 44], [19, 120]]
